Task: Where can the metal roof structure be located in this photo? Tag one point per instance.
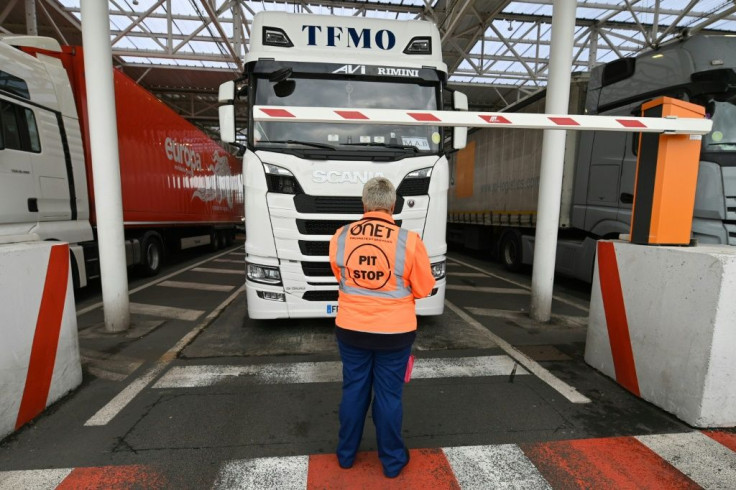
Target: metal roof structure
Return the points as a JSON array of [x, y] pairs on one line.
[[496, 50]]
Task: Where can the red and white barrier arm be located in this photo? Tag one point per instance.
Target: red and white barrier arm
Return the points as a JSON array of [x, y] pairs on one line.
[[669, 125]]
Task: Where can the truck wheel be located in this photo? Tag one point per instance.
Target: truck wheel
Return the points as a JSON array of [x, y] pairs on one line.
[[152, 250], [510, 251], [215, 241], [229, 238]]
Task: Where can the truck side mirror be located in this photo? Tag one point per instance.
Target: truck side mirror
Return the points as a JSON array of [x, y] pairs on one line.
[[227, 123], [459, 134], [226, 112], [226, 94]]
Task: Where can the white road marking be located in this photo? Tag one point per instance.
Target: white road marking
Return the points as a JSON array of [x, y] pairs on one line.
[[230, 261], [158, 280], [201, 286], [13, 480], [502, 466], [479, 289], [331, 372], [121, 400], [707, 462], [165, 311], [521, 285], [467, 274], [524, 319], [219, 271], [533, 367], [289, 473]]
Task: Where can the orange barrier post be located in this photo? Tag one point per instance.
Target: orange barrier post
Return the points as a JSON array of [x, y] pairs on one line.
[[666, 178]]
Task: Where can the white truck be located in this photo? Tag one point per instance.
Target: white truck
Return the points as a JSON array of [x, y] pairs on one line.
[[495, 179], [304, 180]]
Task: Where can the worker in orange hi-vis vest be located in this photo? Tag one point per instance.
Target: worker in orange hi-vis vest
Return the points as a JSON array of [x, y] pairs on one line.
[[381, 269]]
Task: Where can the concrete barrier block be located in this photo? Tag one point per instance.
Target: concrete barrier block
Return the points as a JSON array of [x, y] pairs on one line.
[[39, 352], [663, 324]]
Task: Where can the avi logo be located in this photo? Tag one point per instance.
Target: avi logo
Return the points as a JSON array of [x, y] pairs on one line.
[[351, 69]]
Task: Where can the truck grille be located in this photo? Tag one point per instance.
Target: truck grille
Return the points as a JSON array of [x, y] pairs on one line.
[[317, 269], [320, 295], [305, 203], [314, 248], [413, 187], [323, 226]]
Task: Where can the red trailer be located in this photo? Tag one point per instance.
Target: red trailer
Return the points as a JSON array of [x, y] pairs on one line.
[[180, 189]]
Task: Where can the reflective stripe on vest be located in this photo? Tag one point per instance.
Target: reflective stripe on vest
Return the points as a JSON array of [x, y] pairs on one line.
[[401, 290]]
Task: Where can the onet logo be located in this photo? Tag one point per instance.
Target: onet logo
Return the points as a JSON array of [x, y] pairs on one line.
[[338, 177]]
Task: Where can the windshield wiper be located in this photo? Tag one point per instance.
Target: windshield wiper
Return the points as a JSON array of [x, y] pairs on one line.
[[305, 143], [386, 145]]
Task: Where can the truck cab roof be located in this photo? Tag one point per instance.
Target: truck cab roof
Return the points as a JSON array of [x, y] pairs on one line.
[[284, 36]]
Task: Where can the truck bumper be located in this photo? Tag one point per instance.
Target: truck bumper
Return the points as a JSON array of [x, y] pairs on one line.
[[296, 307]]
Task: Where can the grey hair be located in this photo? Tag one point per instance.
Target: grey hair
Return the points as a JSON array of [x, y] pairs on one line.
[[379, 193]]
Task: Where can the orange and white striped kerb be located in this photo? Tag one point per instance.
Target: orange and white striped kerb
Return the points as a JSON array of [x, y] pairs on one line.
[[662, 325], [39, 352], [668, 125]]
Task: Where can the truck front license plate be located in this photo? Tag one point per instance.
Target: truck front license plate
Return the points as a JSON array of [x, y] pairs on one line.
[[331, 309]]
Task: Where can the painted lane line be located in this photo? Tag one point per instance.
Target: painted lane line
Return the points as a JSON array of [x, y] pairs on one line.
[[154, 282], [121, 400], [13, 480], [466, 274], [533, 367], [219, 271], [480, 289], [330, 372], [264, 473], [612, 462], [230, 261], [502, 466], [575, 304], [705, 461], [199, 286], [523, 318], [165, 312]]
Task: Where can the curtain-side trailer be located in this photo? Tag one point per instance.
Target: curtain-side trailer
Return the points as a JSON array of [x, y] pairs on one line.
[[494, 180], [180, 189]]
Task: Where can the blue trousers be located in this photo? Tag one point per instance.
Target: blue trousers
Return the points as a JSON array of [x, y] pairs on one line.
[[383, 372]]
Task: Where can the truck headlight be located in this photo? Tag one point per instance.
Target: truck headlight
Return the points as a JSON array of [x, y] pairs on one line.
[[438, 269], [263, 274], [281, 180]]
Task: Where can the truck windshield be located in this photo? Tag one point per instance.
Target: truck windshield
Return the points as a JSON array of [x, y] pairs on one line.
[[348, 93], [723, 136]]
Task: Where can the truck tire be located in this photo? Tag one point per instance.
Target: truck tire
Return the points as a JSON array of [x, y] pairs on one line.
[[509, 250], [215, 241], [152, 254], [229, 238]]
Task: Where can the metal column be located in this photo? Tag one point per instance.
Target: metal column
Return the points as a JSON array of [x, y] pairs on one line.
[[105, 163], [31, 23], [553, 152]]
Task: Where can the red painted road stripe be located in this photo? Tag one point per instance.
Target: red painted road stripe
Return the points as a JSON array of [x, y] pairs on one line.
[[351, 115], [421, 116], [618, 326], [277, 113], [427, 469], [611, 463], [628, 123], [564, 121], [114, 477], [45, 337], [495, 119], [728, 439]]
